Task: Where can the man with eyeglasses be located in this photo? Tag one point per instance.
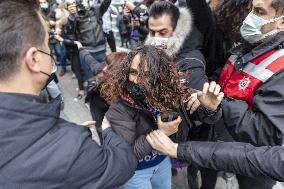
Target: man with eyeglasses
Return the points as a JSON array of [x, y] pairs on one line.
[[38, 149]]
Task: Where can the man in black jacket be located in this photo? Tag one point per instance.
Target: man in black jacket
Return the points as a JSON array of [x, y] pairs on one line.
[[68, 36], [38, 149], [89, 31]]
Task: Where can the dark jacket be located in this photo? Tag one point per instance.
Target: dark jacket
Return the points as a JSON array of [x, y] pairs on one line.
[[89, 28], [69, 31], [263, 125], [95, 66], [134, 123], [40, 150], [213, 47], [190, 58], [240, 158], [124, 26]]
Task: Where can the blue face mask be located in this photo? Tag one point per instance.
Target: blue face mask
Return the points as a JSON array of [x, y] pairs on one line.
[[251, 28]]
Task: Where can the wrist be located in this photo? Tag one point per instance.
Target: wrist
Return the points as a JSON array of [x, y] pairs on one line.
[[173, 151], [210, 110], [165, 132]]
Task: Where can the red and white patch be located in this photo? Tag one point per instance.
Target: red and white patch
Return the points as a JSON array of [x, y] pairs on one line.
[[244, 83]]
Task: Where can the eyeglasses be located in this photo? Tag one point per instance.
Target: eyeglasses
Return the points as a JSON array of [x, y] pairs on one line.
[[54, 67]]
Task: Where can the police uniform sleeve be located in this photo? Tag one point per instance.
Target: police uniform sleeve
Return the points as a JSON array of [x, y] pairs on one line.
[[240, 158]]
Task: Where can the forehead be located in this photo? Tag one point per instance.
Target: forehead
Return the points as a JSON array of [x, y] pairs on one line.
[[71, 6], [162, 22], [135, 62]]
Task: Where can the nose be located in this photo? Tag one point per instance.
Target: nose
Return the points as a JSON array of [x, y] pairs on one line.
[[157, 34]]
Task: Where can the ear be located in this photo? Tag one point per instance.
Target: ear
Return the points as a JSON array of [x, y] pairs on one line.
[[281, 24], [32, 58]]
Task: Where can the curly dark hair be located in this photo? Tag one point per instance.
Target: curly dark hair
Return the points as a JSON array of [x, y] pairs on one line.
[[158, 79], [111, 61], [230, 15]]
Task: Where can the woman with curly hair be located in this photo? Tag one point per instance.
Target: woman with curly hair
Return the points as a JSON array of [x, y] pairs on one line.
[[98, 105], [145, 84]]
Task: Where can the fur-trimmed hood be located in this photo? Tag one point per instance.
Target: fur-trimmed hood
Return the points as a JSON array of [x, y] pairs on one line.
[[183, 29]]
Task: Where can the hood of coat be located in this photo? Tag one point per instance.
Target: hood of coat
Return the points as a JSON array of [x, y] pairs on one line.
[[182, 31], [24, 119]]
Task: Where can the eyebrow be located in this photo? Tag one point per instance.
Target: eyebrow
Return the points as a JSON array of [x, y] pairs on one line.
[[162, 30], [259, 9]]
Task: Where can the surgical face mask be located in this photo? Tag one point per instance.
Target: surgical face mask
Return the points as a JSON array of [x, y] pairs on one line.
[[251, 28], [160, 42], [44, 5]]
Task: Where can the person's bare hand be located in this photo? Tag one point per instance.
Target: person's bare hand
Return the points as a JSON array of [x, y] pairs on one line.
[[105, 124], [58, 38], [193, 103], [210, 97], [52, 23], [90, 124], [162, 143], [129, 5], [168, 128], [126, 11], [136, 23], [79, 45]]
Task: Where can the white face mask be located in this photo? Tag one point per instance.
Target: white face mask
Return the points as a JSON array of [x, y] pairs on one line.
[[251, 28], [44, 5], [160, 42]]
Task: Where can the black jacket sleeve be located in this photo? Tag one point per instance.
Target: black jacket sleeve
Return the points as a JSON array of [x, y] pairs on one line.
[[94, 65], [124, 124], [195, 63], [104, 6], [264, 124], [206, 116], [69, 32], [239, 158], [101, 167]]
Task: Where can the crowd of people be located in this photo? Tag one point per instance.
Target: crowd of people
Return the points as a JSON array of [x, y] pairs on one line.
[[200, 87]]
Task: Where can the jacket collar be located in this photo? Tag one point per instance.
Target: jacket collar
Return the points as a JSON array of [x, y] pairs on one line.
[[243, 59], [30, 104]]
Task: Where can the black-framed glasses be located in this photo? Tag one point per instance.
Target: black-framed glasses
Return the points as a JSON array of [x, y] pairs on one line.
[[54, 66]]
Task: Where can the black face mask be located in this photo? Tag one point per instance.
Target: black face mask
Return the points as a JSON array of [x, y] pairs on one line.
[[134, 91], [54, 68]]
